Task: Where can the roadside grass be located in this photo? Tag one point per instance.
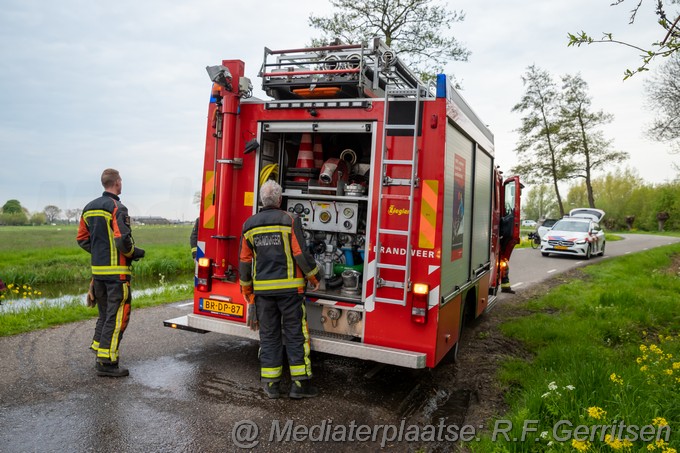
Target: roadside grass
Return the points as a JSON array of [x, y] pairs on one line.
[[40, 316], [36, 261], [605, 351]]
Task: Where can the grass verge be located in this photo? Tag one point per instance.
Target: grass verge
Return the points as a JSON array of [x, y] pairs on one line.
[[605, 358], [39, 316]]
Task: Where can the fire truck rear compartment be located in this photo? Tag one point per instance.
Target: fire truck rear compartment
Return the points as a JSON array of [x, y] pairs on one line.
[[329, 193], [327, 189]]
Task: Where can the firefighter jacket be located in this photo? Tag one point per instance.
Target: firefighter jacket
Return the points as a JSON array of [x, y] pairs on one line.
[[104, 232], [271, 256]]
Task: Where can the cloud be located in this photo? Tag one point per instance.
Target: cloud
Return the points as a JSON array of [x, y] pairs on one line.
[[90, 85]]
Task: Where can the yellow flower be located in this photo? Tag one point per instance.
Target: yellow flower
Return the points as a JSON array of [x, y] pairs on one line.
[[670, 450], [580, 445], [643, 348], [655, 348], [644, 368], [616, 379], [597, 413], [10, 286], [659, 421], [615, 444], [676, 365], [668, 372]]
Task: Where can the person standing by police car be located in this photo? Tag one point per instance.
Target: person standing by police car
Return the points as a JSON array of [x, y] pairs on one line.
[[274, 266], [105, 233]]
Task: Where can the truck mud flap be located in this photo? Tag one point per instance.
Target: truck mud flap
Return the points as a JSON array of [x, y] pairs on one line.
[[389, 356]]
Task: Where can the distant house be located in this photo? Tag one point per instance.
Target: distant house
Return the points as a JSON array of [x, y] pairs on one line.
[[150, 220]]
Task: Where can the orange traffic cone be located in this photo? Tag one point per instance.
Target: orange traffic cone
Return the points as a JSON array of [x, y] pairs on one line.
[[305, 157], [318, 152]]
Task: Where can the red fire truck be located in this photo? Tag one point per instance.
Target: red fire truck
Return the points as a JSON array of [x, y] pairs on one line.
[[395, 183]]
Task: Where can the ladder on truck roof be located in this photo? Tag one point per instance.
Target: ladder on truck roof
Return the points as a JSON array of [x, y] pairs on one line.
[[397, 95], [334, 71]]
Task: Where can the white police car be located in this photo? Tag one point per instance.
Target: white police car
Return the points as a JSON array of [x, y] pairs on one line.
[[578, 234]]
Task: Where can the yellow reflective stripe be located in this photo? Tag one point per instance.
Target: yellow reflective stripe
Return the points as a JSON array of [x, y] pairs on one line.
[[298, 370], [307, 343], [111, 270], [312, 272], [244, 283], [102, 353], [278, 284], [267, 229], [98, 213], [115, 339], [271, 373], [95, 345]]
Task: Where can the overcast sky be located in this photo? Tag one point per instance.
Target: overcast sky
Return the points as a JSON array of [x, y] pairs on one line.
[[88, 84]]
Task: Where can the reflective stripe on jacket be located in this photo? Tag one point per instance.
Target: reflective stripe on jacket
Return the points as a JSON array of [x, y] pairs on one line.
[[272, 258], [104, 232]]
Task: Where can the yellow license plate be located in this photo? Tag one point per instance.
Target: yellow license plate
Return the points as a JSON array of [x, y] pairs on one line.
[[561, 247], [221, 307]]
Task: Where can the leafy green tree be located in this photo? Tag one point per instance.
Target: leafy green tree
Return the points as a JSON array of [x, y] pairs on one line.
[[12, 207], [540, 202], [38, 218], [668, 45], [668, 201], [663, 98], [419, 31], [52, 213], [13, 213], [539, 150], [18, 218], [619, 197], [583, 142]]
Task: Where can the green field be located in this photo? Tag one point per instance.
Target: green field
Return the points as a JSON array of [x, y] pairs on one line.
[[39, 263], [50, 254]]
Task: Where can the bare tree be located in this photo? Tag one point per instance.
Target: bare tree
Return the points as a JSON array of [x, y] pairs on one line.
[[418, 30], [52, 213], [663, 97], [72, 214], [668, 45]]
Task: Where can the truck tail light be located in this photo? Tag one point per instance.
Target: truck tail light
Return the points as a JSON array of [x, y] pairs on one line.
[[504, 268], [203, 274], [419, 303]]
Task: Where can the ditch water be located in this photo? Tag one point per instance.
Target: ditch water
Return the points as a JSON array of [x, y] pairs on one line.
[[65, 293]]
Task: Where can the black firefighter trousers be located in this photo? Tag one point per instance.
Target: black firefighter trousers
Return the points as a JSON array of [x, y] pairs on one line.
[[282, 321], [113, 301]]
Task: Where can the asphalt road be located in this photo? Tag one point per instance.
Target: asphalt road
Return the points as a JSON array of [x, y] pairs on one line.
[[191, 392]]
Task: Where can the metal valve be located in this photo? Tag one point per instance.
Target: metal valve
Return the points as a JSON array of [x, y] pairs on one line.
[[334, 314]]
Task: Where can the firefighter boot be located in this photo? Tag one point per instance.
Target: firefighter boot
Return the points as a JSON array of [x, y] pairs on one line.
[[111, 370], [303, 389], [272, 389]]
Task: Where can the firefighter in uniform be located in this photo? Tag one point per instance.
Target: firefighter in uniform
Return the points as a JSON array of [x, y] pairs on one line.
[[193, 240], [273, 271], [506, 235], [104, 232]]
